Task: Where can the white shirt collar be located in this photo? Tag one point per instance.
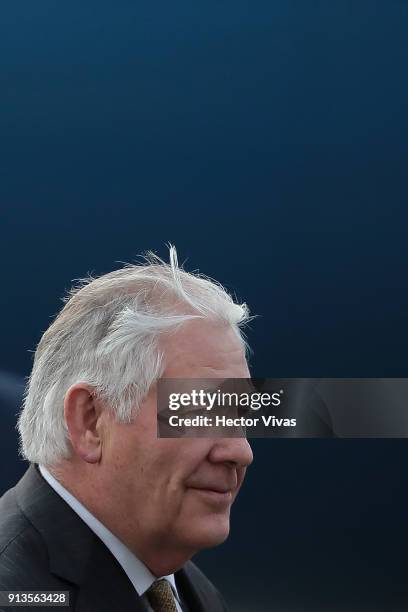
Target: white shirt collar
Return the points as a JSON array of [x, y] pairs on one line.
[[139, 575]]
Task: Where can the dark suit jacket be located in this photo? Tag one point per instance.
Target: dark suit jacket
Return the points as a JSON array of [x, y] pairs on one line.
[[45, 545]]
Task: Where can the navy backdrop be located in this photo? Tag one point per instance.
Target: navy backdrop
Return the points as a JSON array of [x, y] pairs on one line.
[[269, 142]]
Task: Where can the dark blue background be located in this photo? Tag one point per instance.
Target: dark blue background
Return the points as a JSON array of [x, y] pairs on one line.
[[269, 142]]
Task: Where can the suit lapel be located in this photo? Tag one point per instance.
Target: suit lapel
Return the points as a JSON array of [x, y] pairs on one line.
[[106, 586], [190, 596], [197, 593]]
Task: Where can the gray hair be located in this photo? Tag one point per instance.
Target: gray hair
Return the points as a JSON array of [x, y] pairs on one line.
[[107, 336]]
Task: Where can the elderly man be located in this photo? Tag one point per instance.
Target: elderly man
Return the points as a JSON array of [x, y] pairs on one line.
[[106, 510]]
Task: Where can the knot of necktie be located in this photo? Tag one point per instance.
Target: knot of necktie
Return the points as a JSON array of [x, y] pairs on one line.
[[160, 596]]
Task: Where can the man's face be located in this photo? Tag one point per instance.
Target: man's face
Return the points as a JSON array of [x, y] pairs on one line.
[[176, 494]]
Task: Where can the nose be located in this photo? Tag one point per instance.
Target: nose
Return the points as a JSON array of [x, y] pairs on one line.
[[232, 450]]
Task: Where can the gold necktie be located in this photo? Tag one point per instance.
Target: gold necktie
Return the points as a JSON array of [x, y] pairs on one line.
[[160, 596]]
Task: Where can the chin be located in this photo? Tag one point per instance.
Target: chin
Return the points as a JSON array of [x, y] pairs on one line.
[[210, 533]]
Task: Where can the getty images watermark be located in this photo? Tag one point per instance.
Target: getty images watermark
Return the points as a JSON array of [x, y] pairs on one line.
[[283, 407]]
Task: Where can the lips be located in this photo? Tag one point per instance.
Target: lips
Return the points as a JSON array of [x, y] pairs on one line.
[[213, 489], [221, 499], [220, 483]]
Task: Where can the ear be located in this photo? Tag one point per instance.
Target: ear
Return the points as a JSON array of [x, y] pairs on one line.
[[83, 415]]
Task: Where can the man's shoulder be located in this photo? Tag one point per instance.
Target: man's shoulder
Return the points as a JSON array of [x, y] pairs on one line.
[[12, 520], [23, 554]]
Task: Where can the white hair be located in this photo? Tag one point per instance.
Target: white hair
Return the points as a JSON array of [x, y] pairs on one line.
[[107, 336]]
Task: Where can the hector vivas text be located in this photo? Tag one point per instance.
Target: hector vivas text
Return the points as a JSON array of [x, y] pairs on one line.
[[201, 408]]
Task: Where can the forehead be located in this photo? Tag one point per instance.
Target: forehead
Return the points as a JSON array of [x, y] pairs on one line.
[[205, 345]]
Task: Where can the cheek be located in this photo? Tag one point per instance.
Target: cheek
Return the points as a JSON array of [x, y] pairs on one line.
[[154, 472], [126, 467]]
